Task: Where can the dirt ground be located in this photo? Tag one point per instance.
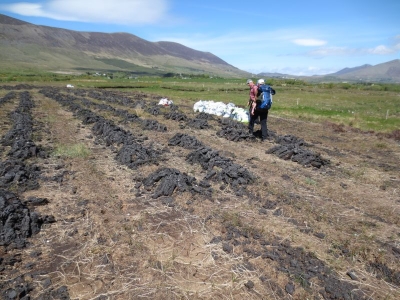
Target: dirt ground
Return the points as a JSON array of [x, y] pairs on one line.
[[166, 203]]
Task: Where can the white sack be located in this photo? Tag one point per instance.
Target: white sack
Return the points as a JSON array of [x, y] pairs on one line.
[[221, 109]]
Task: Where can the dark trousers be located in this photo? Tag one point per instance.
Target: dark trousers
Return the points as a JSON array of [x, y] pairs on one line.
[[263, 114]]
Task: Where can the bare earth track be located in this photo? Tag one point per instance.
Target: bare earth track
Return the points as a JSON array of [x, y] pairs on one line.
[[172, 204]]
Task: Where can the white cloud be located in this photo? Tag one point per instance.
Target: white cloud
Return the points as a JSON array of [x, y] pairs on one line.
[[24, 9], [309, 42], [345, 51], [381, 49], [96, 11], [331, 51]]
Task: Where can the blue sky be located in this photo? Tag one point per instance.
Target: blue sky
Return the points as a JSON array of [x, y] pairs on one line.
[[293, 37]]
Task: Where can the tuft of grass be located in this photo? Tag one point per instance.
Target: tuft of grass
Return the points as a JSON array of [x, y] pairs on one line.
[[310, 181], [72, 151], [381, 145], [140, 112], [232, 219]]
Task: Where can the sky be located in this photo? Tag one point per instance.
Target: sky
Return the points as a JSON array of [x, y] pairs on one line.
[[308, 37]]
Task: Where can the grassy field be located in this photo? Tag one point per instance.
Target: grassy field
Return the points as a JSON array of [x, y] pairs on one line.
[[365, 106]]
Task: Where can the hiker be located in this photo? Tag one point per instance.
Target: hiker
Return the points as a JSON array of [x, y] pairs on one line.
[[252, 103], [260, 111]]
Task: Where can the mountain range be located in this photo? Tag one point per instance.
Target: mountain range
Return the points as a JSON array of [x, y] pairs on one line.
[[388, 72], [25, 46], [384, 72]]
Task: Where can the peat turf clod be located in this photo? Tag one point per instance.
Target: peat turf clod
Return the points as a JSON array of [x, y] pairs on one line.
[[185, 141], [168, 180], [291, 148], [17, 221]]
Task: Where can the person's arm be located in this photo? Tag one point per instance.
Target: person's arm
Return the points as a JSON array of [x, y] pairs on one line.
[[259, 91], [255, 91], [251, 96]]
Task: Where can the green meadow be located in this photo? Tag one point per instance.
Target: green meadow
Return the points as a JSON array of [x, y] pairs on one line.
[[366, 106]]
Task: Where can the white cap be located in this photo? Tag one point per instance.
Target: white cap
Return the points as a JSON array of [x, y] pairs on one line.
[[248, 81], [260, 81]]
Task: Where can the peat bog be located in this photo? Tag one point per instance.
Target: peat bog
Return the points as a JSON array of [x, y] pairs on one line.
[[172, 204]]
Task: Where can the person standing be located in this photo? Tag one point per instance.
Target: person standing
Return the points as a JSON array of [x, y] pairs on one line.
[[252, 104], [261, 111]]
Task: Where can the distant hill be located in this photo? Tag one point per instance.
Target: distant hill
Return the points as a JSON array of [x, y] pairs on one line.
[[27, 46], [384, 72], [275, 75], [388, 72], [350, 70]]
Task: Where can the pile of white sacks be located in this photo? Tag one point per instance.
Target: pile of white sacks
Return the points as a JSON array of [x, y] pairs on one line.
[[165, 102], [221, 109]]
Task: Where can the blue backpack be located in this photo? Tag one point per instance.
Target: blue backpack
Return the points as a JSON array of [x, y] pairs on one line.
[[266, 93]]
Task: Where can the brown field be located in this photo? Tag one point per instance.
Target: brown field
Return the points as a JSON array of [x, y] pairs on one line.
[[292, 232]]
